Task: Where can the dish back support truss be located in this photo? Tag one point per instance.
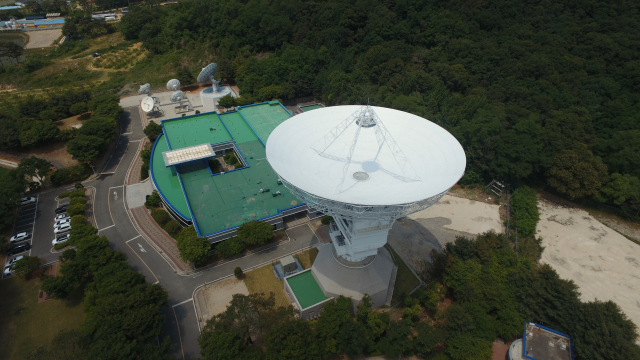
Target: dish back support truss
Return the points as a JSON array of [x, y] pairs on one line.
[[365, 117], [361, 212]]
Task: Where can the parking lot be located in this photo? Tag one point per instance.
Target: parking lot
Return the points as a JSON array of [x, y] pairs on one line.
[[38, 219]]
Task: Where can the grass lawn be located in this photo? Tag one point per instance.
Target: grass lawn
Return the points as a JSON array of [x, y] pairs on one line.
[[405, 280], [27, 324], [263, 280], [307, 258]]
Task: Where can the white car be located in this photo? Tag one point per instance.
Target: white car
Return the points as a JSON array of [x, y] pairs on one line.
[[27, 200], [62, 228], [19, 237], [62, 217], [60, 239], [13, 261], [62, 222], [9, 271]]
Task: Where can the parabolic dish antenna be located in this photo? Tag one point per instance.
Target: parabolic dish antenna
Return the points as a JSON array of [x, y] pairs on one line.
[[173, 84], [147, 104], [208, 73], [177, 96], [144, 89], [365, 156]]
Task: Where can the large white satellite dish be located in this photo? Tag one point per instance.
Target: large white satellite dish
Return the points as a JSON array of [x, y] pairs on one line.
[[147, 104]]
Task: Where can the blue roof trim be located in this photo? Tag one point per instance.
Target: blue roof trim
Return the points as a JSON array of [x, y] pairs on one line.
[[287, 110], [524, 340], [153, 178], [193, 218], [225, 125], [258, 136]]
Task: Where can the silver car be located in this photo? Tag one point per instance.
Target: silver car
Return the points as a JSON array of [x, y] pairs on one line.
[[20, 237]]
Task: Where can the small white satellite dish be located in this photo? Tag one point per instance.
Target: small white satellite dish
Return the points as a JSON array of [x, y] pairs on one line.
[[177, 96], [144, 89], [147, 104], [173, 84]]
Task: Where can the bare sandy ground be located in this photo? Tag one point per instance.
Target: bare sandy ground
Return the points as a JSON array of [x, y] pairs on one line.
[[603, 263], [415, 236], [42, 38], [217, 296]]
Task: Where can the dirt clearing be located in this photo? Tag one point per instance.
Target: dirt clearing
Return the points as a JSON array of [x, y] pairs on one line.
[[416, 235], [217, 296], [604, 264], [42, 38]]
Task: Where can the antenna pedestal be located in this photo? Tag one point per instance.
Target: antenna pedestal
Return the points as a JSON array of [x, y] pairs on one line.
[[356, 240], [376, 279]]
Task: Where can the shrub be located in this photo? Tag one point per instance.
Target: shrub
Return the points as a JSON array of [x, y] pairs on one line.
[[61, 176], [77, 209], [326, 220], [255, 232], [78, 220], [230, 247], [78, 185], [153, 200], [153, 130], [524, 207], [72, 194], [63, 245], [237, 272], [191, 247], [69, 254], [78, 200], [161, 217], [145, 155], [144, 171], [172, 227]]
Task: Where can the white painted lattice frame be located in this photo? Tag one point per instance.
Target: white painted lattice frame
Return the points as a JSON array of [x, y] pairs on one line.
[[361, 212]]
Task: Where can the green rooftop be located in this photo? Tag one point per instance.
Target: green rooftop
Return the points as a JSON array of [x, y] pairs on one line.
[[166, 180], [311, 107], [264, 117], [195, 130], [222, 201], [306, 289]]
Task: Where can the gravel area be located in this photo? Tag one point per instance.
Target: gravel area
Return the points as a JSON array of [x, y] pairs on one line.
[[42, 38], [603, 263]]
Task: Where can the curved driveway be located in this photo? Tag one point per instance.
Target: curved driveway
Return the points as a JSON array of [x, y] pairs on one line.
[[114, 221]]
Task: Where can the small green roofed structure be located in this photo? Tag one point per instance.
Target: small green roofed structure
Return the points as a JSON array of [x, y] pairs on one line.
[[305, 293], [305, 108]]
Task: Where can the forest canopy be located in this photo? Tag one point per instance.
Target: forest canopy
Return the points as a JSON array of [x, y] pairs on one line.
[[543, 92]]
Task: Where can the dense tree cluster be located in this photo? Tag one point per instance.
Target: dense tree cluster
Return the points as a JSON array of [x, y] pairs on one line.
[[544, 92], [123, 319], [12, 184]]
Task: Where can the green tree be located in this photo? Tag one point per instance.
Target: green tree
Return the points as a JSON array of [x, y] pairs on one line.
[[12, 184], [577, 173], [35, 168], [619, 189], [35, 132], [86, 148], [255, 232], [191, 247], [153, 130], [10, 136], [293, 340], [397, 342], [78, 108], [227, 101], [26, 265], [230, 247], [185, 76], [524, 207]]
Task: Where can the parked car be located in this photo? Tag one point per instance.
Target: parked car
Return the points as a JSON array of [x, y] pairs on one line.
[[12, 261], [27, 200], [62, 209], [62, 228], [60, 239], [62, 217], [9, 270], [18, 248], [20, 237], [62, 222]]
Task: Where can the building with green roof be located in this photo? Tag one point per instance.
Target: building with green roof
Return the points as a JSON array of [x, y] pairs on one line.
[[207, 191]]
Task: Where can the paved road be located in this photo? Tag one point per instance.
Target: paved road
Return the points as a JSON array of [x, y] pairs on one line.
[[114, 222]]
